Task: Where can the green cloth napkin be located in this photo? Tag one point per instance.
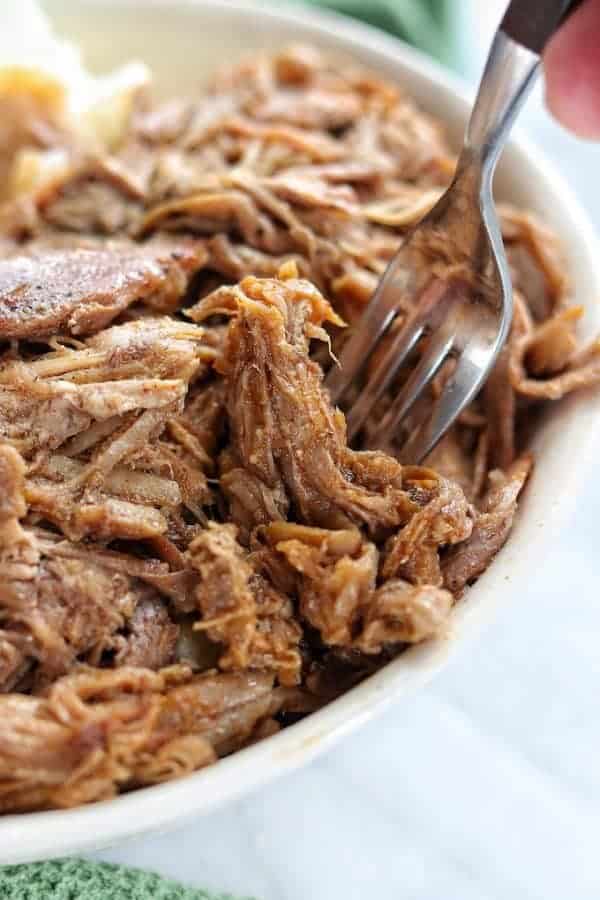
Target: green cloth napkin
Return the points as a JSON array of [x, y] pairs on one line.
[[425, 24], [79, 879]]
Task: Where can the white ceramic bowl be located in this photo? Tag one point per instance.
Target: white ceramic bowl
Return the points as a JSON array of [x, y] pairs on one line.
[[182, 42]]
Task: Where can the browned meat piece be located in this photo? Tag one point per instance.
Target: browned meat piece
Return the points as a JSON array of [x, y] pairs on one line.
[[97, 731], [151, 637], [97, 196], [235, 261], [302, 92], [309, 109], [270, 564], [277, 638], [339, 597], [80, 291], [544, 363], [223, 593], [284, 431], [107, 404], [201, 425], [153, 347], [17, 556], [554, 343], [537, 262], [68, 610], [79, 512], [173, 463], [501, 409], [54, 609], [499, 396], [134, 485], [335, 589], [12, 501], [164, 123], [241, 610], [354, 289], [279, 204], [339, 670], [82, 501], [465, 562], [400, 612], [169, 578], [149, 570], [251, 501], [404, 208], [318, 148], [313, 192], [121, 481], [451, 460], [413, 553], [36, 415], [225, 210], [74, 495], [14, 664]]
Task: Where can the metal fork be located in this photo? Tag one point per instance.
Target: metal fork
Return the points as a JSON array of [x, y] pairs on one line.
[[449, 284]]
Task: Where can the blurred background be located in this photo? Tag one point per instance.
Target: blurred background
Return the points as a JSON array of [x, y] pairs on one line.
[[454, 31]]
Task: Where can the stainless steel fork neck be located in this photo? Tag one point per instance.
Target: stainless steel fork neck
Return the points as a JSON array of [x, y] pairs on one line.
[[467, 317], [509, 74]]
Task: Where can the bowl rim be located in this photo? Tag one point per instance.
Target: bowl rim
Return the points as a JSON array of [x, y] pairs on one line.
[[32, 836]]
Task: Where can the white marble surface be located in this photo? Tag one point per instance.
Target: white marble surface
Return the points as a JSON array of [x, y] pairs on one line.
[[484, 786]]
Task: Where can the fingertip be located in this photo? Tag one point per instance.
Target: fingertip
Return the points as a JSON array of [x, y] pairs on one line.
[[572, 68], [577, 109]]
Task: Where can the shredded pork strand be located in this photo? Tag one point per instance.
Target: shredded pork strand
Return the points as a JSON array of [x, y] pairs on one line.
[[284, 431], [190, 551]]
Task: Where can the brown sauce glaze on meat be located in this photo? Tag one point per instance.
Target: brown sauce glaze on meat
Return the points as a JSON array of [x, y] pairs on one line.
[[191, 555]]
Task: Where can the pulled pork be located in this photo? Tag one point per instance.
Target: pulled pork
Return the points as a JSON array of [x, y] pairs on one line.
[[284, 432], [56, 609], [95, 732], [240, 609], [191, 553], [47, 291]]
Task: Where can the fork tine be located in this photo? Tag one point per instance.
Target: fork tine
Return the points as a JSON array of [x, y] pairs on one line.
[[457, 393], [377, 319], [435, 302], [440, 345], [358, 349], [396, 354]]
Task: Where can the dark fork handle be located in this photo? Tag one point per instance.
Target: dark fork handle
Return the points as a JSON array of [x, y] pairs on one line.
[[532, 23]]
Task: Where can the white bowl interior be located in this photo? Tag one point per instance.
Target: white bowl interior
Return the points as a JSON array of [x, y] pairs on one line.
[[183, 42]]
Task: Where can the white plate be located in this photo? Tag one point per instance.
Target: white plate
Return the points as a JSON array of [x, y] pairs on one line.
[[183, 42]]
